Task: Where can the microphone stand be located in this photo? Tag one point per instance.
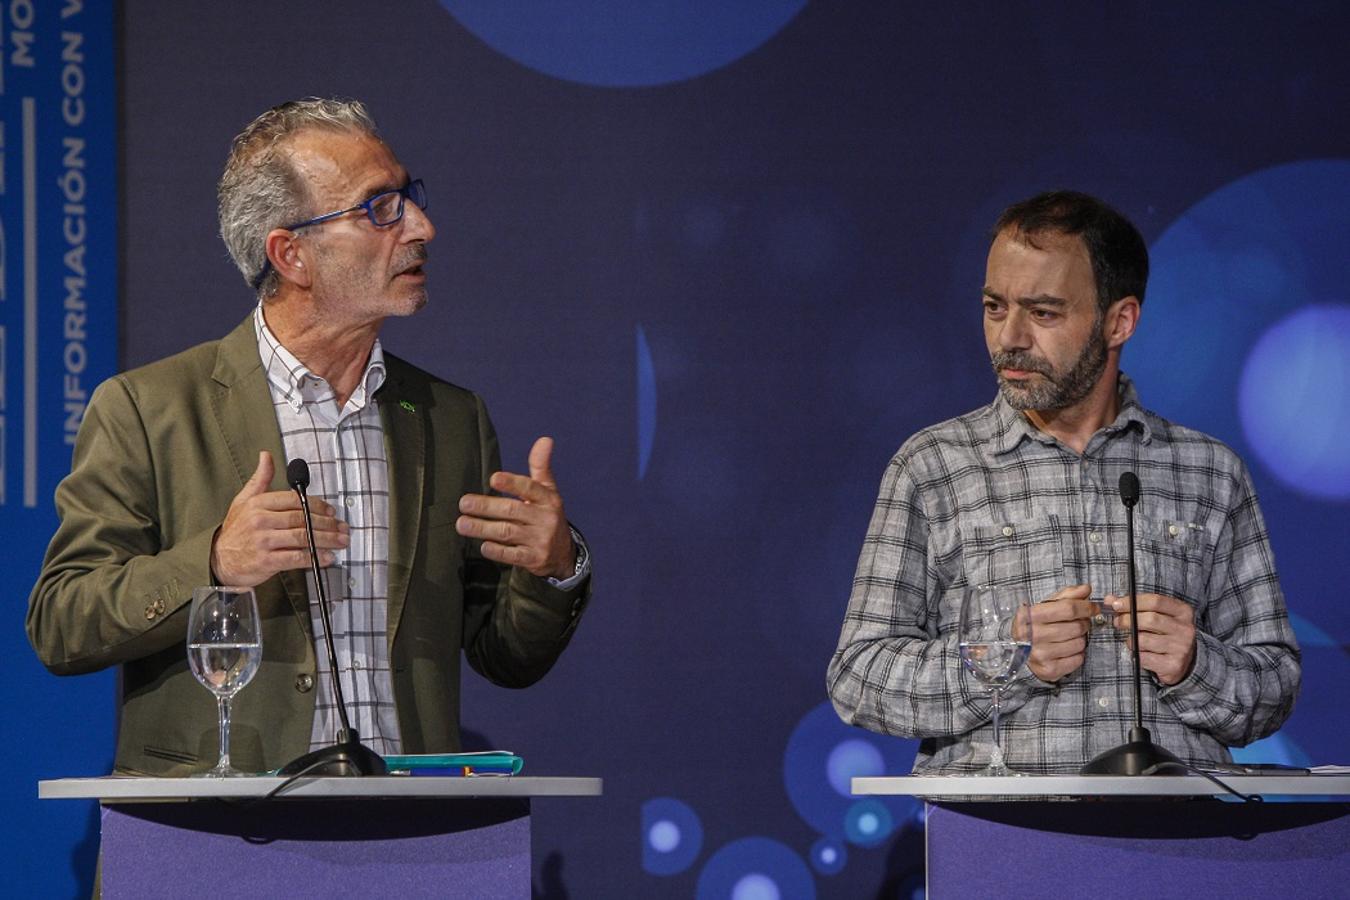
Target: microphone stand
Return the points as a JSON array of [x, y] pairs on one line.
[[1139, 753], [347, 756]]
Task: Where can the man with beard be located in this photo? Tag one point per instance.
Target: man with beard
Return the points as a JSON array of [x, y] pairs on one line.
[[178, 480], [1022, 495]]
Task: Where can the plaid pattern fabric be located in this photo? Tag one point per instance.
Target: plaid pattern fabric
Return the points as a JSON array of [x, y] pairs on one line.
[[347, 468], [987, 498]]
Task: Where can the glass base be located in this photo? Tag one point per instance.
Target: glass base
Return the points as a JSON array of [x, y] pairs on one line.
[[226, 771], [991, 756]]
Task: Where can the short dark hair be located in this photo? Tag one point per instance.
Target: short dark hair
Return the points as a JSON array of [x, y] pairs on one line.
[[1116, 248]]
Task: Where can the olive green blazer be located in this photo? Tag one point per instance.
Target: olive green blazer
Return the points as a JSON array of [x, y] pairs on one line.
[[161, 453]]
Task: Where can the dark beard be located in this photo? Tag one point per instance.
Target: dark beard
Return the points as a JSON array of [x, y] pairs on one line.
[[1056, 391]]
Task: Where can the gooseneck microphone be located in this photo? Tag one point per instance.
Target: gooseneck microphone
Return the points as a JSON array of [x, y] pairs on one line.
[[1139, 754], [347, 756]]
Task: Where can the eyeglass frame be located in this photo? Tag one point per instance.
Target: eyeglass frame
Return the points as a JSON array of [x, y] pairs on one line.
[[404, 193]]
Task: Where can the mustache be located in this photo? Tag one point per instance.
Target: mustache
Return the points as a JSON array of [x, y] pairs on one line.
[[417, 255], [1023, 360]]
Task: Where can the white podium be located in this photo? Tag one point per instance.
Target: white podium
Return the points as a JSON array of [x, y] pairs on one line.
[[1105, 836], [406, 836]]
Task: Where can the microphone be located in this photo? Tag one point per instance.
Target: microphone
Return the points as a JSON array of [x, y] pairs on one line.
[[347, 756], [1129, 495], [1139, 754]]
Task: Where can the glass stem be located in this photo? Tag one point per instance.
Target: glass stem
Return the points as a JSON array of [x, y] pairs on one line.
[[997, 759], [223, 704]]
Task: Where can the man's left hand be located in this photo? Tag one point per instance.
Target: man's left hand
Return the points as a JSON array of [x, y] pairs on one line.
[[1166, 634], [527, 529]]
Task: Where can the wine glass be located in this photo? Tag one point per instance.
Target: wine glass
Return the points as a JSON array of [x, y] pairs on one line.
[[995, 640], [224, 643]]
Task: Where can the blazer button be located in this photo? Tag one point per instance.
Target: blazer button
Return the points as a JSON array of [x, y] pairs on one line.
[[304, 683], [150, 612]]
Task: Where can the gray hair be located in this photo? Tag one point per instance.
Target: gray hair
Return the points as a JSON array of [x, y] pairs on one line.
[[260, 188]]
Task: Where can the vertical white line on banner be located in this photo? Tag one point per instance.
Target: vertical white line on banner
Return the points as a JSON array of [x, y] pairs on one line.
[[30, 303]]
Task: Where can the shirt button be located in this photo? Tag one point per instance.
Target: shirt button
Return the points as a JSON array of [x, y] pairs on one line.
[[304, 683], [1007, 530], [351, 583], [1095, 537], [356, 664], [1104, 702], [1173, 530], [351, 501]]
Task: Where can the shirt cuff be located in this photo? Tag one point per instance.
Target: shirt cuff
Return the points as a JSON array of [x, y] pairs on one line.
[[583, 569]]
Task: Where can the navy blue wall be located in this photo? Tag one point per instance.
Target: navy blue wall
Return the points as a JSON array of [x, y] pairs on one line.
[[730, 261]]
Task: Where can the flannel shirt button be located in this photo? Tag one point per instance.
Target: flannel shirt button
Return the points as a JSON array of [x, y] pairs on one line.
[[1173, 530], [1095, 537], [304, 683], [1104, 702], [1007, 531]]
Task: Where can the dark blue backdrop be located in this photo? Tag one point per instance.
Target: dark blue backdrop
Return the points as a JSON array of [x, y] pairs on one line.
[[729, 255]]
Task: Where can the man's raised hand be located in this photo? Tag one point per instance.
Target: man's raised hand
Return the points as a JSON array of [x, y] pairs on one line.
[[264, 532]]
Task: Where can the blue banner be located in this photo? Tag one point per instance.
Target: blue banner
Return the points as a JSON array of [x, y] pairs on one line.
[[58, 340]]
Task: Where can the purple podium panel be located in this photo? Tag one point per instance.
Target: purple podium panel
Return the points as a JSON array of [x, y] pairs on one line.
[[1139, 848], [318, 848]]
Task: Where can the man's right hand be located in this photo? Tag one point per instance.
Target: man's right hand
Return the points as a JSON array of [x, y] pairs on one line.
[[1059, 633], [264, 532]]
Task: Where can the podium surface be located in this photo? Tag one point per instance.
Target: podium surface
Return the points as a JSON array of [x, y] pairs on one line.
[[406, 836], [1105, 836], [1033, 787], [127, 789]]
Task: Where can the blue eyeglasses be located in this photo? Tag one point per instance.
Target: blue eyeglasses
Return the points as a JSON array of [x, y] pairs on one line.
[[383, 210]]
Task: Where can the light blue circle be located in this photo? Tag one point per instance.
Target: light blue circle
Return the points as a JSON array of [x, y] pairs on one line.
[[672, 836], [851, 759], [624, 43], [868, 822], [664, 836], [828, 856], [755, 887], [751, 867], [1294, 400]]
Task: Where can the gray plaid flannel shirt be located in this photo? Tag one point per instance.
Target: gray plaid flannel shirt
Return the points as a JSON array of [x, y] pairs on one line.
[[988, 498]]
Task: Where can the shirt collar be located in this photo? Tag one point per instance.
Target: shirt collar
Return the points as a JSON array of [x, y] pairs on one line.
[[293, 382], [1011, 427]]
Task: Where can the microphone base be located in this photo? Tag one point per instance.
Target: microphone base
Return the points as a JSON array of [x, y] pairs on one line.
[[1132, 758], [349, 759]]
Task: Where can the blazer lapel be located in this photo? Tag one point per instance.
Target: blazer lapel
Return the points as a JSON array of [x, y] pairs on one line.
[[243, 408], [402, 412]]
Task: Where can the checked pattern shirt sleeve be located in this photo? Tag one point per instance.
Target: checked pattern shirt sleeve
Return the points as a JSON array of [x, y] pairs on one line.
[[1245, 675], [898, 669]]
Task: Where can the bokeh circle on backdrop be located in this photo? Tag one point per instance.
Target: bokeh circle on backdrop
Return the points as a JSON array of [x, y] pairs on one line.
[[1249, 285], [624, 43], [672, 836], [823, 755], [1294, 400], [756, 868]]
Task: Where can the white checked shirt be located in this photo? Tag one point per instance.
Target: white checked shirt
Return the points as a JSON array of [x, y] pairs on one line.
[[348, 469]]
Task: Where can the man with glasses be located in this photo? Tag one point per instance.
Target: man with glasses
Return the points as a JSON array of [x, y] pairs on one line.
[[178, 480]]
